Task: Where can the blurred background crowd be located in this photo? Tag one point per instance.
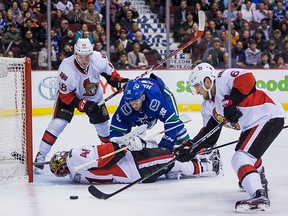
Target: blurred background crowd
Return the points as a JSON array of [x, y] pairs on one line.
[[258, 31]]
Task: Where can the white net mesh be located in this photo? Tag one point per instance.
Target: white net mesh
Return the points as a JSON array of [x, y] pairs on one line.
[[13, 129]]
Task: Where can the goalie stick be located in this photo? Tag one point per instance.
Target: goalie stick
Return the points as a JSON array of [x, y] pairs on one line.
[[185, 118], [101, 195], [200, 32]]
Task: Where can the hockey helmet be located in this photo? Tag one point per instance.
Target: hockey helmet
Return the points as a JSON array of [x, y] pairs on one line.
[[58, 164], [83, 46], [198, 75], [133, 90]]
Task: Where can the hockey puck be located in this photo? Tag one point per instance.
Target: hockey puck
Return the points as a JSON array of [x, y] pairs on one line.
[[73, 197]]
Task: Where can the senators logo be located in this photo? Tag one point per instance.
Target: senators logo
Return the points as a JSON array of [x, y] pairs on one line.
[[90, 88], [219, 118]]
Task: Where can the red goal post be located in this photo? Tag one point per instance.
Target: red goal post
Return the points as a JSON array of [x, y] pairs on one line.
[[16, 153]]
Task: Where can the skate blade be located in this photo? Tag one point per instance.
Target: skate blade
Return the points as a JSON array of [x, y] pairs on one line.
[[248, 208]]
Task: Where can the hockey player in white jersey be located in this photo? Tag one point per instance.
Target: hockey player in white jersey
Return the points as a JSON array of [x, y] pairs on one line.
[[126, 166], [78, 82], [232, 96]]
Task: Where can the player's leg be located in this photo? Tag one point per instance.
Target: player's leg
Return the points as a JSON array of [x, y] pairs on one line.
[[63, 115], [251, 146], [100, 120]]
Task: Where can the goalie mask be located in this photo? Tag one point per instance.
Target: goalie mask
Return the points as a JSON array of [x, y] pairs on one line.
[[58, 164], [83, 50], [198, 75]]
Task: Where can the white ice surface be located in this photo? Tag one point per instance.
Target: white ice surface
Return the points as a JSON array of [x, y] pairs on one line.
[[49, 195]]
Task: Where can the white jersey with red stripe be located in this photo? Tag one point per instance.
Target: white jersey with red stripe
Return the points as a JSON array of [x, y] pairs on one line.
[[124, 171], [83, 83], [257, 108]]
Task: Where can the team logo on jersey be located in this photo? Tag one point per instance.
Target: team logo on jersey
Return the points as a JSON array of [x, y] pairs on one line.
[[90, 88], [219, 118], [154, 105]]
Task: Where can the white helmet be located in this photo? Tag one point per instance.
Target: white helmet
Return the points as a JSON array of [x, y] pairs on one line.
[[198, 75], [83, 46], [83, 50]]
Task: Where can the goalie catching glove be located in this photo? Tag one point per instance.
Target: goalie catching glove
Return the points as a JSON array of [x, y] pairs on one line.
[[87, 106], [184, 152]]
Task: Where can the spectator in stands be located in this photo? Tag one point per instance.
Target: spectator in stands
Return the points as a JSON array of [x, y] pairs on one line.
[[283, 28], [212, 27], [68, 39], [43, 57], [248, 11], [265, 61], [114, 15], [203, 45], [91, 16], [225, 62], [10, 19], [3, 6], [233, 13], [79, 33], [76, 15], [281, 63], [284, 52], [127, 6], [62, 30], [126, 21], [99, 48], [136, 58], [103, 40], [15, 10], [180, 15], [252, 54], [55, 41], [123, 62], [186, 27], [277, 37], [118, 51], [34, 5], [278, 12], [211, 13], [195, 11], [214, 55], [12, 39], [32, 25], [97, 32], [219, 20], [2, 21], [30, 48], [261, 13], [238, 54], [260, 39], [65, 6], [245, 38], [10, 54], [56, 18], [26, 9], [247, 27], [88, 34], [272, 51], [68, 50], [266, 29], [267, 5], [123, 38], [234, 34], [131, 35], [204, 6], [239, 22], [115, 32]]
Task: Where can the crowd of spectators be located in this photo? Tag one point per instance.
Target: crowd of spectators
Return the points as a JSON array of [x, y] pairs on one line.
[[259, 31]]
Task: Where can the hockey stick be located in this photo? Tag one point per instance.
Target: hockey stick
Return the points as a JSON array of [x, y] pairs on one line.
[[100, 195], [199, 34], [226, 144], [185, 118]]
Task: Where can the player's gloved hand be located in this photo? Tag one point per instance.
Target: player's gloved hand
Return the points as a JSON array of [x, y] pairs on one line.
[[87, 106], [184, 152], [122, 83], [231, 112]]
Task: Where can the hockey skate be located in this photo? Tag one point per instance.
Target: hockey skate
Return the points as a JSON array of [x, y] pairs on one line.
[[258, 203], [39, 158]]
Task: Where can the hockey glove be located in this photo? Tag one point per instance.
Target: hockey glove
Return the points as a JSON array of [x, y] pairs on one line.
[[184, 151], [122, 83], [135, 143], [87, 106], [231, 112]]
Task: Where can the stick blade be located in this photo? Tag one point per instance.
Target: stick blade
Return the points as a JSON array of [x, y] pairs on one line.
[[97, 193], [202, 18]]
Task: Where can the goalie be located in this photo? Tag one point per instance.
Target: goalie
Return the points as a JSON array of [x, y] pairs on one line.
[[128, 166]]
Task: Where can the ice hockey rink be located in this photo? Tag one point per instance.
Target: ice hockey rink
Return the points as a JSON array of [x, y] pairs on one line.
[[49, 195]]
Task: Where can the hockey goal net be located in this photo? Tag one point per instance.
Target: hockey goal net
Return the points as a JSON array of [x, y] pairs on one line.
[[15, 119]]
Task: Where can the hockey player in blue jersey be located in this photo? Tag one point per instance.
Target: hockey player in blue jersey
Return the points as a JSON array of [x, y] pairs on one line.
[[146, 100]]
